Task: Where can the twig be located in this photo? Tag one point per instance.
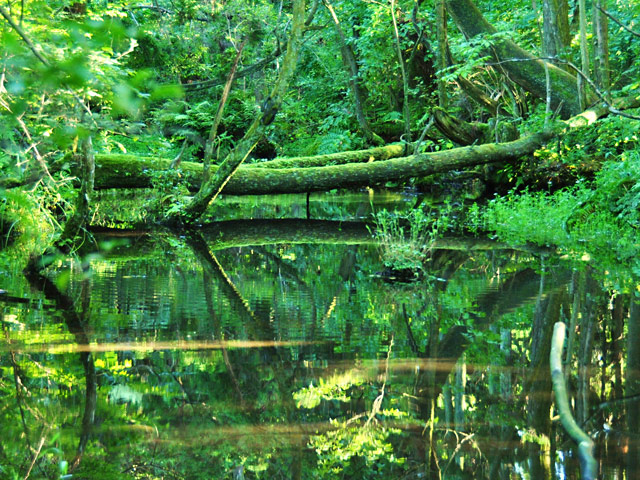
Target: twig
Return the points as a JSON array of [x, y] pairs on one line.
[[35, 457]]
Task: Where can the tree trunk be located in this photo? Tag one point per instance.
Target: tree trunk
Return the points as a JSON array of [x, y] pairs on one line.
[[522, 67], [632, 385], [556, 35], [589, 318], [601, 54], [211, 189], [80, 217], [128, 171], [441, 58], [584, 54], [588, 464], [617, 333], [357, 91], [406, 113], [460, 403]]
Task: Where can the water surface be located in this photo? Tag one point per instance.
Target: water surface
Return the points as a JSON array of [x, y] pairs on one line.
[[287, 349]]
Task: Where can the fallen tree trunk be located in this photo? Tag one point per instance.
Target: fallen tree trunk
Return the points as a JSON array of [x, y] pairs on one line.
[[393, 150], [128, 171]]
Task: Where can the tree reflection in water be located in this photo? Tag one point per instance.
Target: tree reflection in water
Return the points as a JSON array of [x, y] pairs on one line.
[[259, 350]]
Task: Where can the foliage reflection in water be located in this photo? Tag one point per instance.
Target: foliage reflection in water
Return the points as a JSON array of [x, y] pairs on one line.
[[283, 349]]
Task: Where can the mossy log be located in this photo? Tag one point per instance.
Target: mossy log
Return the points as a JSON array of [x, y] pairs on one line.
[[393, 150], [128, 171], [461, 132], [468, 133]]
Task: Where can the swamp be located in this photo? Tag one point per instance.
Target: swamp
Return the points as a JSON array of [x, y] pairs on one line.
[[319, 239]]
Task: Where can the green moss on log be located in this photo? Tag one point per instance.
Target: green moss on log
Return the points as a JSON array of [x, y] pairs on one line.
[[126, 171], [341, 158]]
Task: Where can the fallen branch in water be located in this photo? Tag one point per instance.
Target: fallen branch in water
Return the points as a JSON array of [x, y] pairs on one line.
[[588, 464]]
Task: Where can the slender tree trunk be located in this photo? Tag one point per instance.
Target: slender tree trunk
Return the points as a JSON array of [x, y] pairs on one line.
[[601, 54], [616, 344], [587, 329], [80, 217], [505, 376], [406, 113], [441, 61], [212, 188], [351, 65], [461, 385], [584, 54], [213, 133], [447, 400]]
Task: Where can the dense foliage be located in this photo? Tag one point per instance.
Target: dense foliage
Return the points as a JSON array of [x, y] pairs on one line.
[[245, 350]]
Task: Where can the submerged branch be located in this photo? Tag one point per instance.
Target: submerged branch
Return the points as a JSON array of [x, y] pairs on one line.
[[588, 464]]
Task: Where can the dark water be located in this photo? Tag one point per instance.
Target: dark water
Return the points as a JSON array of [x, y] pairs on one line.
[[286, 349]]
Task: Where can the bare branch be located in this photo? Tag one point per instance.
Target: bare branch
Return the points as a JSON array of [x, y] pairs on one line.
[[23, 35], [633, 32]]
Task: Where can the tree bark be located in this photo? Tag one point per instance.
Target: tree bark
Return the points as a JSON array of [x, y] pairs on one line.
[[128, 171], [555, 26], [441, 58], [601, 54], [351, 66], [584, 54], [522, 67]]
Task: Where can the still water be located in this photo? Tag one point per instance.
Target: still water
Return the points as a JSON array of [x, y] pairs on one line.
[[288, 349]]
